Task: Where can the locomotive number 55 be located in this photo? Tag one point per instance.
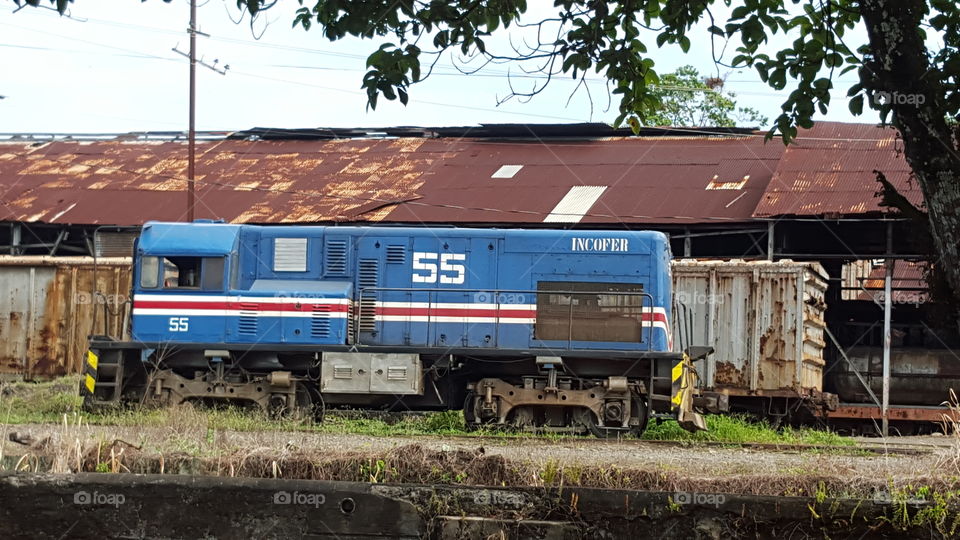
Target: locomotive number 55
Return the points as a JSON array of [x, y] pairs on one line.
[[450, 272]]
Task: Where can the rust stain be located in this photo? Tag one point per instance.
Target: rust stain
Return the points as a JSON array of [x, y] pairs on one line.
[[53, 337], [726, 374], [829, 171]]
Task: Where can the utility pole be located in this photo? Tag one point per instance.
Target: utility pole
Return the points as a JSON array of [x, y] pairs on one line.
[[887, 308], [192, 128]]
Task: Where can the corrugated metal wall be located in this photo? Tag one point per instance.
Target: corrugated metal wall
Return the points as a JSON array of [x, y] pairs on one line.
[[50, 305], [764, 319]]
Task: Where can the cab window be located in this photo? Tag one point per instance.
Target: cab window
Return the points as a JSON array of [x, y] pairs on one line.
[[150, 272], [201, 273]]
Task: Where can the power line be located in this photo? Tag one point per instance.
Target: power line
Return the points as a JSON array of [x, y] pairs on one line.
[[491, 73], [355, 92], [148, 56], [423, 101]]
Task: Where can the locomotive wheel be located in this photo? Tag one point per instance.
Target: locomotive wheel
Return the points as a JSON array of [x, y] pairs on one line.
[[589, 420], [470, 420], [308, 404], [317, 407], [640, 409], [469, 417]]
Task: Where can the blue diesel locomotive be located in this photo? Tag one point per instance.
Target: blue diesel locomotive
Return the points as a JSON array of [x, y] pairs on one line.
[[531, 328]]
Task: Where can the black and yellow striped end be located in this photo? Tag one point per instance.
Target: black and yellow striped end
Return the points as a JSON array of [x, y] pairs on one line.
[[676, 389], [90, 372]]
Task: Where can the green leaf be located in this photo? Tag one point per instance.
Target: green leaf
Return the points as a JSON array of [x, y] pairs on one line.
[[856, 105]]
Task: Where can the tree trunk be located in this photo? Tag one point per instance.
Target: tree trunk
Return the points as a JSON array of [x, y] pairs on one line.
[[897, 66]]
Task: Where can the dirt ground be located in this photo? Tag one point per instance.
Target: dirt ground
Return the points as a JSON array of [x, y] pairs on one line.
[[895, 458]]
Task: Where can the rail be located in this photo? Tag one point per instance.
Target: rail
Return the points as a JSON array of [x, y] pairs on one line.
[[370, 300]]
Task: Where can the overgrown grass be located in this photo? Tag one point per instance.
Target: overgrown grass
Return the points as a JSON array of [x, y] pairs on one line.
[[47, 402], [738, 429], [39, 402]]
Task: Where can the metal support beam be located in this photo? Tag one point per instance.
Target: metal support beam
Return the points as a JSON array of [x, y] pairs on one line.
[[16, 234], [61, 236], [887, 312], [731, 232], [756, 244], [770, 225], [91, 246], [687, 243]]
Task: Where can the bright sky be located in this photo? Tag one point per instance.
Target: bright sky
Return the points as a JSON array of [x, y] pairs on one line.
[[110, 67]]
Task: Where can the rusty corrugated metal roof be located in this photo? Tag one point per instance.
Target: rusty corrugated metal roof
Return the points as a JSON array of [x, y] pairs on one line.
[[439, 179], [908, 286], [402, 180], [829, 171]]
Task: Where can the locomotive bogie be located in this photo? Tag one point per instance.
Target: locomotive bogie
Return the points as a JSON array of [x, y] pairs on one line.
[[603, 407]]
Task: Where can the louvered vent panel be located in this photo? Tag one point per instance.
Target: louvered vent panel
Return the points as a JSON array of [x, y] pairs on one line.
[[368, 278], [320, 321], [247, 325], [290, 254], [336, 257], [396, 254], [114, 244]]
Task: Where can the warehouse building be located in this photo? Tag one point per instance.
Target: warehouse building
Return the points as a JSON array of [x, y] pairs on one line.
[[719, 193]]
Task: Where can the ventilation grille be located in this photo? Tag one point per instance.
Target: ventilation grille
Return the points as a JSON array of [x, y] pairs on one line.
[[114, 244], [320, 321], [396, 373], [367, 278], [290, 255], [336, 257], [247, 325], [396, 254], [350, 329]]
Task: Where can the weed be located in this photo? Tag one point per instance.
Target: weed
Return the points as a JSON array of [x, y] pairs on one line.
[[550, 473], [821, 494], [739, 430]]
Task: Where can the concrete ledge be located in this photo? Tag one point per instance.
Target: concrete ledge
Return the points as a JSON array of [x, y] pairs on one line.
[[93, 505]]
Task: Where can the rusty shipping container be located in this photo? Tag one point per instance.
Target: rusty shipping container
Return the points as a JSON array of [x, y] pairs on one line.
[[50, 305], [764, 319], [918, 376]]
